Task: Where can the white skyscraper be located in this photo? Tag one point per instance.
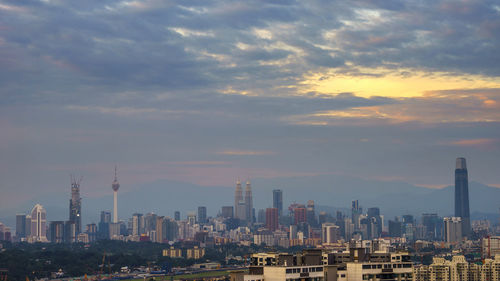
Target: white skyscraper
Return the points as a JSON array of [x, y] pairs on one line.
[[38, 224], [115, 186]]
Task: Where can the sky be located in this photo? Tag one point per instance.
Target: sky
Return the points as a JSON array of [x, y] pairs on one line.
[[205, 92]]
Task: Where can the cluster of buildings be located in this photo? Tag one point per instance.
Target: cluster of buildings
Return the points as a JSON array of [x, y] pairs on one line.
[[356, 260], [298, 225], [458, 269]]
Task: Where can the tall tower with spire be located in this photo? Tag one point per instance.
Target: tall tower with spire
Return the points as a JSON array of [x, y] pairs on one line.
[[75, 204], [238, 197], [115, 186], [462, 195], [248, 203]]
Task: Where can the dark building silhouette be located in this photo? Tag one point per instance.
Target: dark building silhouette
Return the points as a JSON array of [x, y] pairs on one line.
[[75, 205], [272, 219], [227, 211], [56, 232], [177, 215], [278, 201], [462, 195], [202, 214]]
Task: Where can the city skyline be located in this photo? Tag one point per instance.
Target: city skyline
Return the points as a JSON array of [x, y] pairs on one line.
[[261, 90]]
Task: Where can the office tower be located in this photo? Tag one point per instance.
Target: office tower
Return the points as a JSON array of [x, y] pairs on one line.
[[248, 203], [430, 221], [202, 214], [453, 229], [355, 213], [137, 224], [238, 198], [20, 226], [330, 233], [310, 213], [191, 218], [159, 229], [261, 216], [408, 219], [103, 231], [38, 224], [395, 228], [75, 204], [278, 201], [91, 230], [69, 232], [299, 215], [241, 211], [462, 195], [375, 227], [227, 211], [56, 231], [149, 222], [170, 230], [293, 232], [115, 186], [177, 215], [272, 219]]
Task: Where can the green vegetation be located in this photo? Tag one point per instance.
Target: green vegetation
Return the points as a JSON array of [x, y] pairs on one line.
[[39, 260]]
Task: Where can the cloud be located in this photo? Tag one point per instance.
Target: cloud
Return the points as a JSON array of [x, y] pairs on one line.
[[477, 143], [245, 152], [452, 106]]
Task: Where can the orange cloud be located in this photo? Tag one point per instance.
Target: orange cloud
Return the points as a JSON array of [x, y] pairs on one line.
[[484, 142]]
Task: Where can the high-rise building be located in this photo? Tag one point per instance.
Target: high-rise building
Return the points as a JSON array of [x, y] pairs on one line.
[[177, 215], [103, 232], [238, 198], [28, 226], [137, 224], [272, 219], [227, 211], [20, 226], [202, 214], [278, 201], [311, 213], [75, 205], [453, 229], [57, 231], [375, 220], [38, 224], [191, 218], [115, 186], [330, 233], [70, 232], [299, 215], [462, 195], [92, 232], [356, 211], [432, 225], [248, 203]]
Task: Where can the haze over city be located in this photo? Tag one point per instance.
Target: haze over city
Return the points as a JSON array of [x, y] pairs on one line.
[[285, 93]]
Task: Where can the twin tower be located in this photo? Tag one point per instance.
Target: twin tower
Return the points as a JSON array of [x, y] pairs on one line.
[[243, 208]]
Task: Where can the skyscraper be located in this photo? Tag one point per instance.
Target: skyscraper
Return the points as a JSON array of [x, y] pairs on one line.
[[453, 229], [115, 186], [20, 226], [462, 195], [75, 204], [202, 214], [238, 197], [248, 203], [272, 219], [38, 224], [278, 201]]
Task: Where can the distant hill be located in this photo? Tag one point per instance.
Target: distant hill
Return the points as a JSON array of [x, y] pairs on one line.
[[329, 193]]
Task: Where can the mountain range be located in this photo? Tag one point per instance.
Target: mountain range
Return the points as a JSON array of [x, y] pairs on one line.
[[330, 192]]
